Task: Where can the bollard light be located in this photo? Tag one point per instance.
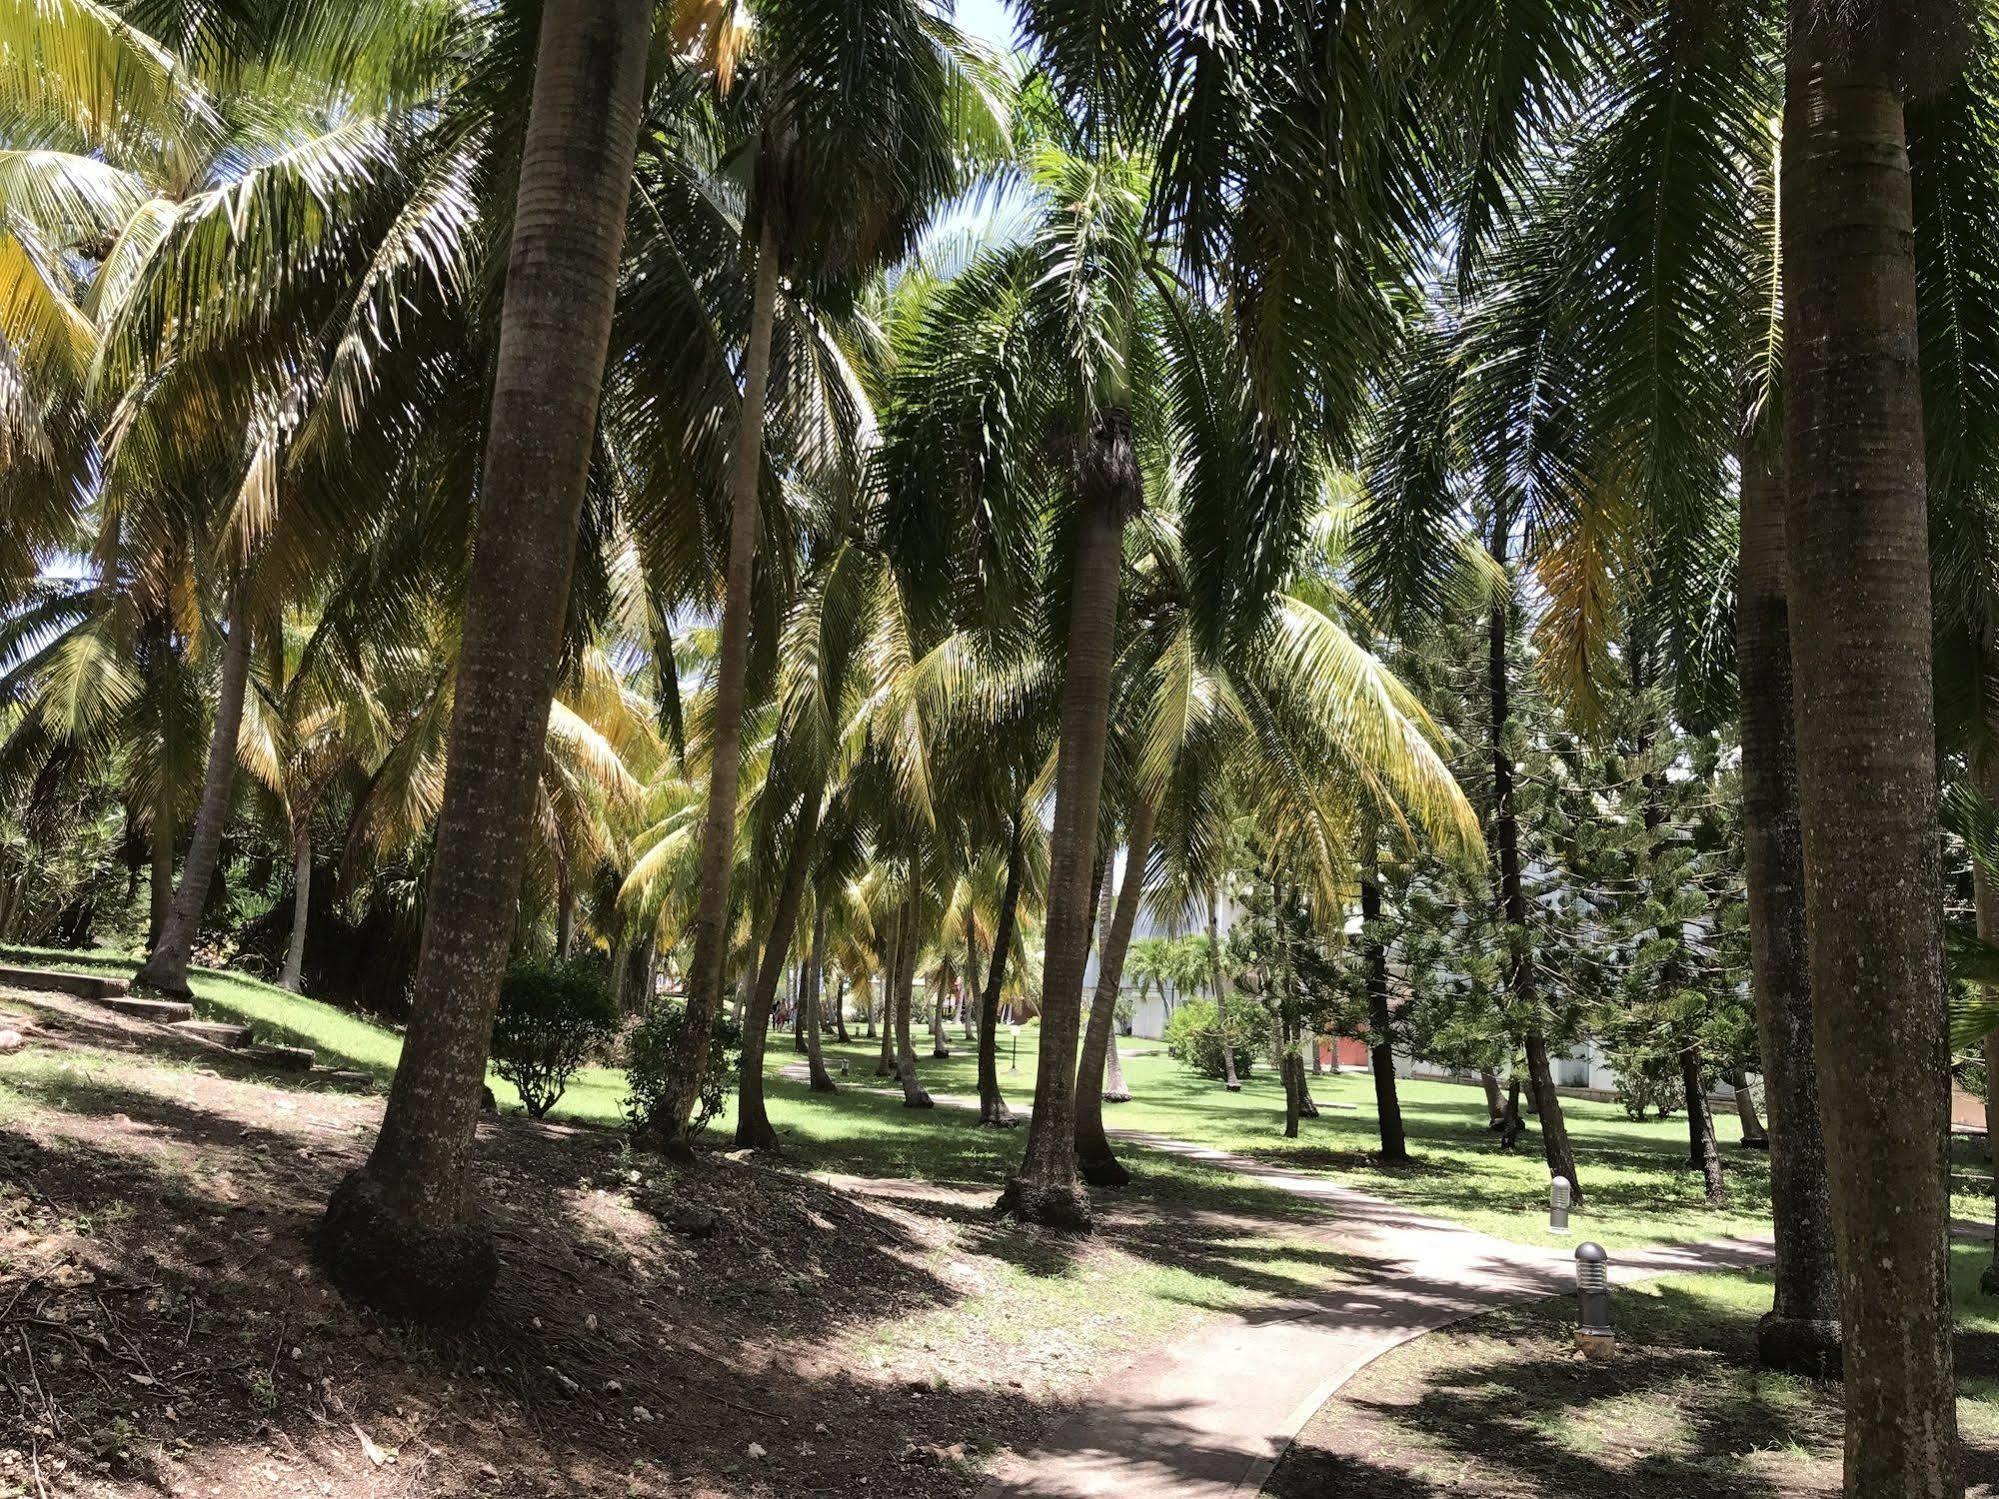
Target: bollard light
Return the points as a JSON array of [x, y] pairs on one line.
[[1014, 1065], [1593, 1332], [1559, 1193]]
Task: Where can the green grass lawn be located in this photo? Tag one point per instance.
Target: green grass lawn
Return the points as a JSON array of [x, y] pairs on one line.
[[1638, 1190]]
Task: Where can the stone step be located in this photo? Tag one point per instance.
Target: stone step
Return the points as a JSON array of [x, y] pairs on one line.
[[165, 1011], [284, 1058], [82, 985], [342, 1077], [221, 1032]]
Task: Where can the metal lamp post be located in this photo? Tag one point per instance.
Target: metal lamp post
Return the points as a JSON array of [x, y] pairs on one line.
[[1593, 1331]]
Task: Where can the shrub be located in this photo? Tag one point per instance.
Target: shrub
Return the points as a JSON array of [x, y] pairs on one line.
[[1194, 1036], [649, 1056], [552, 1015]]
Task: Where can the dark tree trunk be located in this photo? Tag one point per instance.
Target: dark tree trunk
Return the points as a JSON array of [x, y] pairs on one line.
[[1801, 1332], [939, 1049], [840, 1010], [1387, 1101], [1094, 1156], [565, 907], [968, 991], [992, 1104], [301, 902], [1526, 1002], [162, 891], [815, 970], [1109, 491], [1289, 1066], [401, 1232], [891, 959], [753, 1126], [913, 1096], [1859, 582], [166, 967], [710, 925], [1229, 1080], [1700, 1129]]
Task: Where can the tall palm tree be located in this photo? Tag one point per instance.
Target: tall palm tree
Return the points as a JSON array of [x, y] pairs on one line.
[[401, 1231]]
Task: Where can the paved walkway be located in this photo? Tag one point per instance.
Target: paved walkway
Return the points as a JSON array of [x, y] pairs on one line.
[[1210, 1415]]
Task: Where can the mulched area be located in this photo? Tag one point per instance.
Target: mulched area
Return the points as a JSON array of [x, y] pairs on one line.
[[163, 1328]]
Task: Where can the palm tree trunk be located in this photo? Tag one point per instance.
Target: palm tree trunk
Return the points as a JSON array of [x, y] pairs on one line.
[[565, 907], [301, 902], [840, 1010], [815, 970], [1800, 1334], [718, 827], [753, 1127], [166, 967], [1229, 1080], [1555, 1146], [1700, 1129], [1046, 1190], [401, 1232], [992, 1103], [1387, 1100], [1094, 1156], [1867, 790], [891, 961], [969, 990], [913, 1096], [939, 1047]]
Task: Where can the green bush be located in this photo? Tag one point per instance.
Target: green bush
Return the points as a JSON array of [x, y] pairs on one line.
[[1194, 1036], [552, 1015], [649, 1056]]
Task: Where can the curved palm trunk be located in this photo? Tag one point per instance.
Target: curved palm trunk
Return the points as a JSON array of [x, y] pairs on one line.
[[992, 1103], [401, 1232], [1229, 1080], [1098, 1163], [815, 970], [1045, 1190], [166, 966], [753, 1127], [840, 1010], [1704, 1150], [1387, 1100], [1859, 573], [1800, 1334], [301, 904], [913, 1096], [1555, 1147], [718, 826]]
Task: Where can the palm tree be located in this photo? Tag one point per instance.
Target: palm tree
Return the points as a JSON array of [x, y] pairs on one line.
[[1858, 570], [400, 1232]]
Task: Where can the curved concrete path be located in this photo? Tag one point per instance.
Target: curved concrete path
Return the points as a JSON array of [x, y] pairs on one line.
[[1210, 1416]]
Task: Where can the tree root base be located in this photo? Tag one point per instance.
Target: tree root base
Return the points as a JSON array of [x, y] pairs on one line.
[[1065, 1207], [436, 1276], [1117, 1098], [1988, 1283], [919, 1100], [1103, 1171], [1799, 1345]]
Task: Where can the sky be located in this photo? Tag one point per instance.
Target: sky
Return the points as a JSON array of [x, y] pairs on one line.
[[991, 21]]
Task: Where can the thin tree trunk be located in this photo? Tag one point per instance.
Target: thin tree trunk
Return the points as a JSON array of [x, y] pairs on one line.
[[1114, 1089], [1555, 1145], [166, 967], [840, 1010], [1387, 1100], [1046, 1189], [1859, 576], [939, 1048], [1700, 1129], [301, 902], [1229, 1080], [1094, 1156], [1754, 1136], [1289, 1065], [892, 956], [718, 828], [1495, 1112], [753, 1126], [913, 1096], [1801, 1332], [968, 992], [163, 863], [401, 1232], [815, 969], [992, 1103]]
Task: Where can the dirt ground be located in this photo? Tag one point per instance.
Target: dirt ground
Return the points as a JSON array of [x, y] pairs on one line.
[[163, 1328]]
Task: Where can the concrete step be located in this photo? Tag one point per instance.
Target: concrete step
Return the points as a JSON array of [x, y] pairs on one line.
[[165, 1011], [221, 1032], [342, 1077], [284, 1058], [46, 980]]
